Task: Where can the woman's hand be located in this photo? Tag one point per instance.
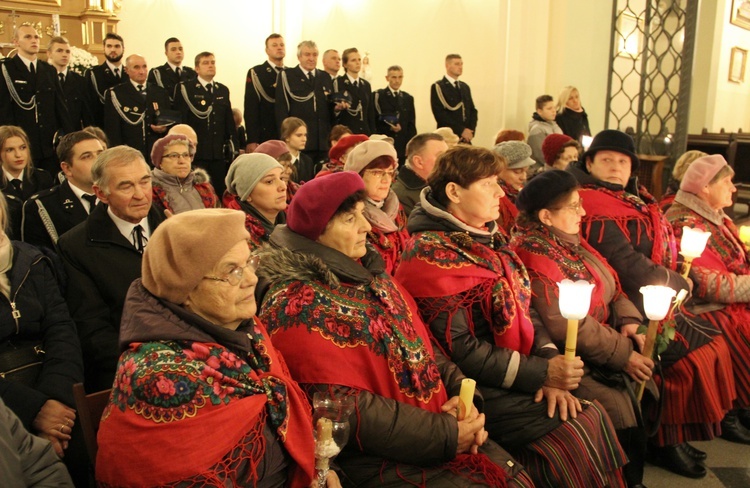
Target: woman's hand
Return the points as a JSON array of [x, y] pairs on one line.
[[560, 399], [564, 374], [639, 367], [471, 433], [55, 421], [631, 331]]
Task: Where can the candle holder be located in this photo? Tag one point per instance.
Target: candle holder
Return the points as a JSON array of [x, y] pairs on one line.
[[330, 429], [692, 245], [656, 304], [574, 302]]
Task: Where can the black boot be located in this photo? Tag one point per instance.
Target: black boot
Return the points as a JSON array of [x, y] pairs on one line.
[[732, 430], [633, 442], [693, 452], [675, 459]]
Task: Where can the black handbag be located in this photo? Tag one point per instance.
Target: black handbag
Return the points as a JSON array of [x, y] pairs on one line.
[[21, 362]]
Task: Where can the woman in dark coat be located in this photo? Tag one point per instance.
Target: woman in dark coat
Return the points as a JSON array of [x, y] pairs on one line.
[[344, 325], [571, 116], [474, 293], [547, 240]]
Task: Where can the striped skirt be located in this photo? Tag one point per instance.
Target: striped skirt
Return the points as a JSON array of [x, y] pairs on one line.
[[734, 323], [581, 452], [698, 390]]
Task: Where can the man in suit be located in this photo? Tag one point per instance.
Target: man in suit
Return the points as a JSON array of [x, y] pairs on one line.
[[31, 97], [51, 213], [73, 84], [260, 90], [132, 109], [106, 75], [205, 106], [393, 112], [172, 72], [102, 256], [356, 115], [303, 92], [451, 101], [332, 63]]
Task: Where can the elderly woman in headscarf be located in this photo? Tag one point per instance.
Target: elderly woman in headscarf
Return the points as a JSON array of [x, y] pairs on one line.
[[474, 294], [178, 187], [546, 238], [376, 162], [200, 391], [721, 273], [346, 327], [279, 151], [254, 185]]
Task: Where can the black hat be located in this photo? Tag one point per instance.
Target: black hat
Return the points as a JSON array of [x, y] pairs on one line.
[[614, 140], [544, 188]]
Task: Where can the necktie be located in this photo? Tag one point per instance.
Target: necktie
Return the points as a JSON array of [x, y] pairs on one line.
[[178, 71], [139, 240], [210, 88], [17, 185], [32, 69], [62, 78], [141, 91], [91, 199], [309, 75], [457, 87], [117, 73], [356, 84]]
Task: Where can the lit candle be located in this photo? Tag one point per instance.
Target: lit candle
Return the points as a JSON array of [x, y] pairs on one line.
[[586, 142], [656, 301], [745, 234], [466, 397], [692, 245], [574, 302]]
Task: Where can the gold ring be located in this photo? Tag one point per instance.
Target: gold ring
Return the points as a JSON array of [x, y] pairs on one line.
[[61, 428]]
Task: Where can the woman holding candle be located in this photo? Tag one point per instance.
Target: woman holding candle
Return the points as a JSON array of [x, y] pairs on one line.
[[474, 293], [345, 326], [721, 273], [624, 224], [547, 241]]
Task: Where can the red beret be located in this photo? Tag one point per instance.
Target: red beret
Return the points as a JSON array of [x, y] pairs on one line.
[[552, 146], [317, 200], [344, 144], [273, 148]]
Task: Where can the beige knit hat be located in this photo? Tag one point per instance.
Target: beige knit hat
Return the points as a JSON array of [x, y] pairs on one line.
[[365, 153], [184, 248]]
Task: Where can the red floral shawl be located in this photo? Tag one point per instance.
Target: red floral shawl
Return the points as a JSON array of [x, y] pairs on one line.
[[194, 412], [622, 208], [508, 210], [258, 235], [447, 271]]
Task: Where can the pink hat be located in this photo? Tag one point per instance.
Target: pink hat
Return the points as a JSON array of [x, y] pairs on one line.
[[273, 148], [700, 173], [157, 151], [318, 199], [366, 152], [345, 143]]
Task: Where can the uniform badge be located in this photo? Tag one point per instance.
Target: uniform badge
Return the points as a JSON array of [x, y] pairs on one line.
[[135, 109], [125, 109], [68, 203], [203, 102], [268, 69]]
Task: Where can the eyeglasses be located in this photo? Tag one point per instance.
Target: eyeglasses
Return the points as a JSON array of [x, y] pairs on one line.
[[381, 173], [176, 156], [574, 207], [235, 274]]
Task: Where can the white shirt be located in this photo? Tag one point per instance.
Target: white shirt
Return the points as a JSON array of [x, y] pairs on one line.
[[9, 177], [452, 80], [352, 80], [27, 62], [113, 68], [174, 67], [306, 72], [126, 228], [204, 83], [135, 84], [80, 193]]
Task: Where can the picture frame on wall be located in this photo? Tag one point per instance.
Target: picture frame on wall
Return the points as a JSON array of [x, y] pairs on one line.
[[741, 13], [737, 63]]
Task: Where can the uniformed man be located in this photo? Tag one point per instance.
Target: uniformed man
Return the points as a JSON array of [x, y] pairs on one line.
[[303, 92], [73, 84], [51, 213], [451, 101], [172, 72], [393, 112], [205, 107], [356, 115], [132, 109], [260, 93], [31, 97], [332, 63], [106, 75]]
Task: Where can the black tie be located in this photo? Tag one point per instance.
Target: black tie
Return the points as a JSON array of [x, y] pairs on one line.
[[17, 185], [32, 70], [210, 88], [356, 84], [309, 75], [178, 71], [139, 240], [62, 78], [91, 199], [117, 73], [141, 91]]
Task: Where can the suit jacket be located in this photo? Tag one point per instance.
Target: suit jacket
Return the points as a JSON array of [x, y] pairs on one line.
[[384, 103], [462, 118], [101, 264], [124, 122], [260, 116], [167, 78], [316, 111], [358, 116], [50, 113], [100, 79], [214, 130], [38, 181], [50, 214]]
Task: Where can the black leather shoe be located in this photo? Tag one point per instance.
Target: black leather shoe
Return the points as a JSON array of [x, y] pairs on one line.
[[693, 452], [732, 430], [674, 459]]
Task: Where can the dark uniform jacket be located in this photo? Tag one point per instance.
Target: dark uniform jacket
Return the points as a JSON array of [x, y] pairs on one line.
[[50, 214], [76, 97], [124, 119], [100, 79], [451, 113], [386, 105], [101, 264], [38, 180], [210, 116], [357, 117], [167, 78], [42, 110], [296, 96], [260, 93]]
